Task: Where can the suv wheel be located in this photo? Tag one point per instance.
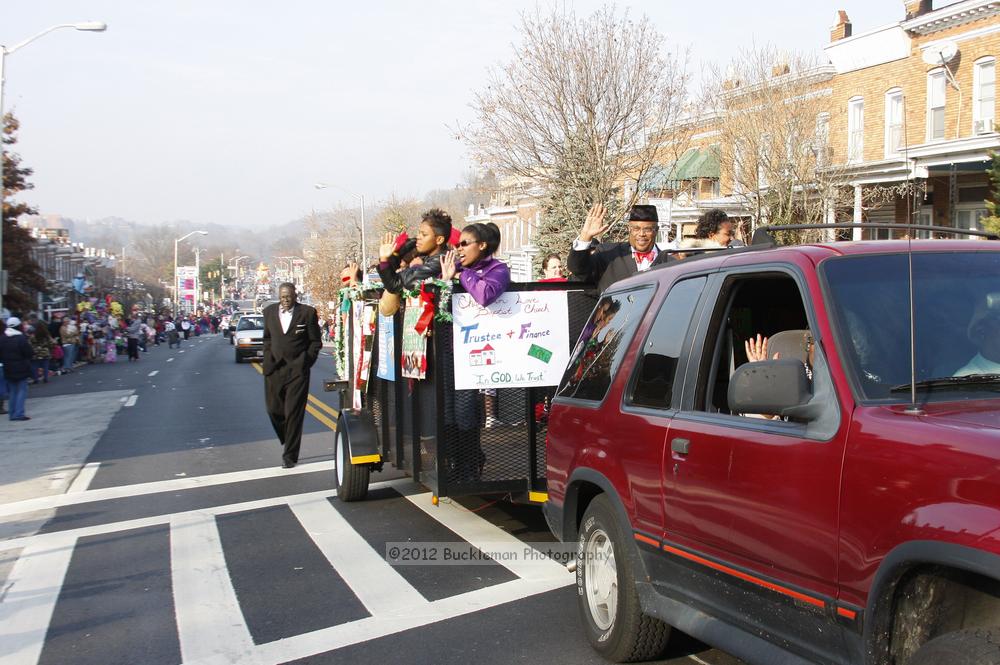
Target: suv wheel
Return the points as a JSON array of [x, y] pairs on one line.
[[977, 646], [612, 615]]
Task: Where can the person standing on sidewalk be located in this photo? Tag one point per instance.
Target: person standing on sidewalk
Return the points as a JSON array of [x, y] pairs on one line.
[[70, 336], [16, 354], [291, 346], [132, 334], [41, 343]]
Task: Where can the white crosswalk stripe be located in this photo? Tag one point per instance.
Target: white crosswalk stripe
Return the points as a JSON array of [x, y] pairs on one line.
[[211, 627]]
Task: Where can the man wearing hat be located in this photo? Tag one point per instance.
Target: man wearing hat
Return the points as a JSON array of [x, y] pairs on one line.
[[15, 355], [606, 263]]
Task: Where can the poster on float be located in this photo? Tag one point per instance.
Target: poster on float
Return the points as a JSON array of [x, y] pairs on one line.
[[520, 341], [414, 360], [386, 368]]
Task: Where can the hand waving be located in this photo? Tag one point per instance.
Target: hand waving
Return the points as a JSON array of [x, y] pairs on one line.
[[756, 349], [387, 247], [594, 225], [448, 265]]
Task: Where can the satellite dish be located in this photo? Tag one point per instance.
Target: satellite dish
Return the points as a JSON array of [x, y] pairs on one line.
[[940, 53]]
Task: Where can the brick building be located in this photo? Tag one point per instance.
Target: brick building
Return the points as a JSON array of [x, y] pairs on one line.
[[915, 101]]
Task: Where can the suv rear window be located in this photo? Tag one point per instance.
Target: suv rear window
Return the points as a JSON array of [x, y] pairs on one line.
[[602, 344]]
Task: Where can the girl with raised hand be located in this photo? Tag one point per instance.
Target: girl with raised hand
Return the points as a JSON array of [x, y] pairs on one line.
[[480, 273], [431, 241]]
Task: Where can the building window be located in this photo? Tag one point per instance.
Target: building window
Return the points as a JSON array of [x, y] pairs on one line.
[[855, 129], [893, 122], [716, 189], [936, 84], [984, 105], [822, 139]]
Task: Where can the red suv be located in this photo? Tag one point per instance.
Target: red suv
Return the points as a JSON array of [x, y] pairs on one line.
[[838, 503]]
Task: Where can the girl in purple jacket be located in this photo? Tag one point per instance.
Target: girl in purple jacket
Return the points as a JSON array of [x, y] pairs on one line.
[[482, 275]]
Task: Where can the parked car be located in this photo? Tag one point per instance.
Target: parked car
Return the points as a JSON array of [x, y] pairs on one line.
[[802, 508], [249, 337]]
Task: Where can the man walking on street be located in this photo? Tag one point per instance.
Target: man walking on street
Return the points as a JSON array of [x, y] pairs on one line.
[[16, 354], [291, 346]]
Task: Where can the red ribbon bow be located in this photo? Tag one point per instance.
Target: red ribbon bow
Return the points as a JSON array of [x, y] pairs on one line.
[[427, 313], [643, 256]]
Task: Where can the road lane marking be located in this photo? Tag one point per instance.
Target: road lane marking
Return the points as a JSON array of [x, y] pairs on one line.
[[181, 351], [154, 372], [59, 539], [210, 623], [170, 360], [29, 598], [322, 418], [132, 400], [379, 587], [487, 537], [84, 478], [172, 485], [323, 405]]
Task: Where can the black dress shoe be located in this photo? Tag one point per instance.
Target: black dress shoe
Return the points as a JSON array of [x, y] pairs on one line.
[[287, 465]]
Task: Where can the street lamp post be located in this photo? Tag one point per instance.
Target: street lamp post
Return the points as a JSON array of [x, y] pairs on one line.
[[236, 271], [177, 240], [323, 185], [89, 26]]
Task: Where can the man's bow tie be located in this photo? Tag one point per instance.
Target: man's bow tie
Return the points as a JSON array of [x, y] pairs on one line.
[[643, 256], [286, 311]]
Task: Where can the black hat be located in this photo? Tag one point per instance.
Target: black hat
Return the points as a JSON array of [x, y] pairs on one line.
[[643, 213]]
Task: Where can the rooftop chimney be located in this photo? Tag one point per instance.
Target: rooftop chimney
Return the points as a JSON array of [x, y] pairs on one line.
[[916, 8], [843, 28]]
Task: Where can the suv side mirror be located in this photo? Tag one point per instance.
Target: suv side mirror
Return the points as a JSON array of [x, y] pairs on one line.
[[769, 386]]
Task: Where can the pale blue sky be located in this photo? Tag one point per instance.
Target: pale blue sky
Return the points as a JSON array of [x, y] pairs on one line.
[[228, 111]]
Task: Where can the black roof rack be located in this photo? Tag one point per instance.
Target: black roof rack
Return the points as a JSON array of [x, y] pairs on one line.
[[762, 235]]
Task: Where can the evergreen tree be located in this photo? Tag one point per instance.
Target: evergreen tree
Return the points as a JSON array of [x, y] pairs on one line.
[[23, 275], [992, 223]]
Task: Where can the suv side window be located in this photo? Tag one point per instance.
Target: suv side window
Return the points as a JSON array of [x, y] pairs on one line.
[[764, 304], [654, 377], [602, 344]]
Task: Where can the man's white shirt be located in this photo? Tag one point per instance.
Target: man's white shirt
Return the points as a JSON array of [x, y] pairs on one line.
[[285, 318]]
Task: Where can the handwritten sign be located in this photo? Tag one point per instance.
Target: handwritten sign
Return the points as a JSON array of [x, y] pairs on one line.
[[519, 341]]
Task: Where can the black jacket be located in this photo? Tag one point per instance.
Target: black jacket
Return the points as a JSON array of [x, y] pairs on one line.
[[606, 263], [410, 278], [299, 347], [15, 355]]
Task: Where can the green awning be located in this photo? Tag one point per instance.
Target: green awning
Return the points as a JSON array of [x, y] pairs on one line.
[[694, 163]]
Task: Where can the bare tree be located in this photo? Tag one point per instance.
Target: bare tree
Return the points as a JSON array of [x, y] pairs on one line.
[[584, 108], [774, 111]]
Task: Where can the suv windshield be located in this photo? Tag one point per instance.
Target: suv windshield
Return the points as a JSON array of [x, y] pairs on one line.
[[957, 323], [250, 323]]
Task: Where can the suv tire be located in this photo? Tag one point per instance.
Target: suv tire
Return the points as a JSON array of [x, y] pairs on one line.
[[976, 646], [609, 604]]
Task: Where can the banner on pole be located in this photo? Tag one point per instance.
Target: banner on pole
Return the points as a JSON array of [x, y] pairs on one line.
[[386, 346]]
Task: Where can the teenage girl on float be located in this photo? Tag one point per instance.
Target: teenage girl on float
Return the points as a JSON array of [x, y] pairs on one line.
[[431, 241], [480, 273]]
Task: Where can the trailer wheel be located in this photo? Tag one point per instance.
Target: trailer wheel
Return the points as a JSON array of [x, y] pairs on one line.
[[609, 603], [351, 479]]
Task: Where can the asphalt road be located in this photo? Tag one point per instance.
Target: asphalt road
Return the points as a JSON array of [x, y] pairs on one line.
[[183, 541]]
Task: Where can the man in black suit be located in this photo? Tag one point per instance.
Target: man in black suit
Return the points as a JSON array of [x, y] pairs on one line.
[[606, 263], [291, 345]]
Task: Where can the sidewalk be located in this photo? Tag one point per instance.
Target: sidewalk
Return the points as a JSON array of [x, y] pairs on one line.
[[43, 456]]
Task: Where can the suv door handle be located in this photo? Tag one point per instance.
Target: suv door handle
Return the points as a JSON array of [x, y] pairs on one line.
[[680, 446]]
